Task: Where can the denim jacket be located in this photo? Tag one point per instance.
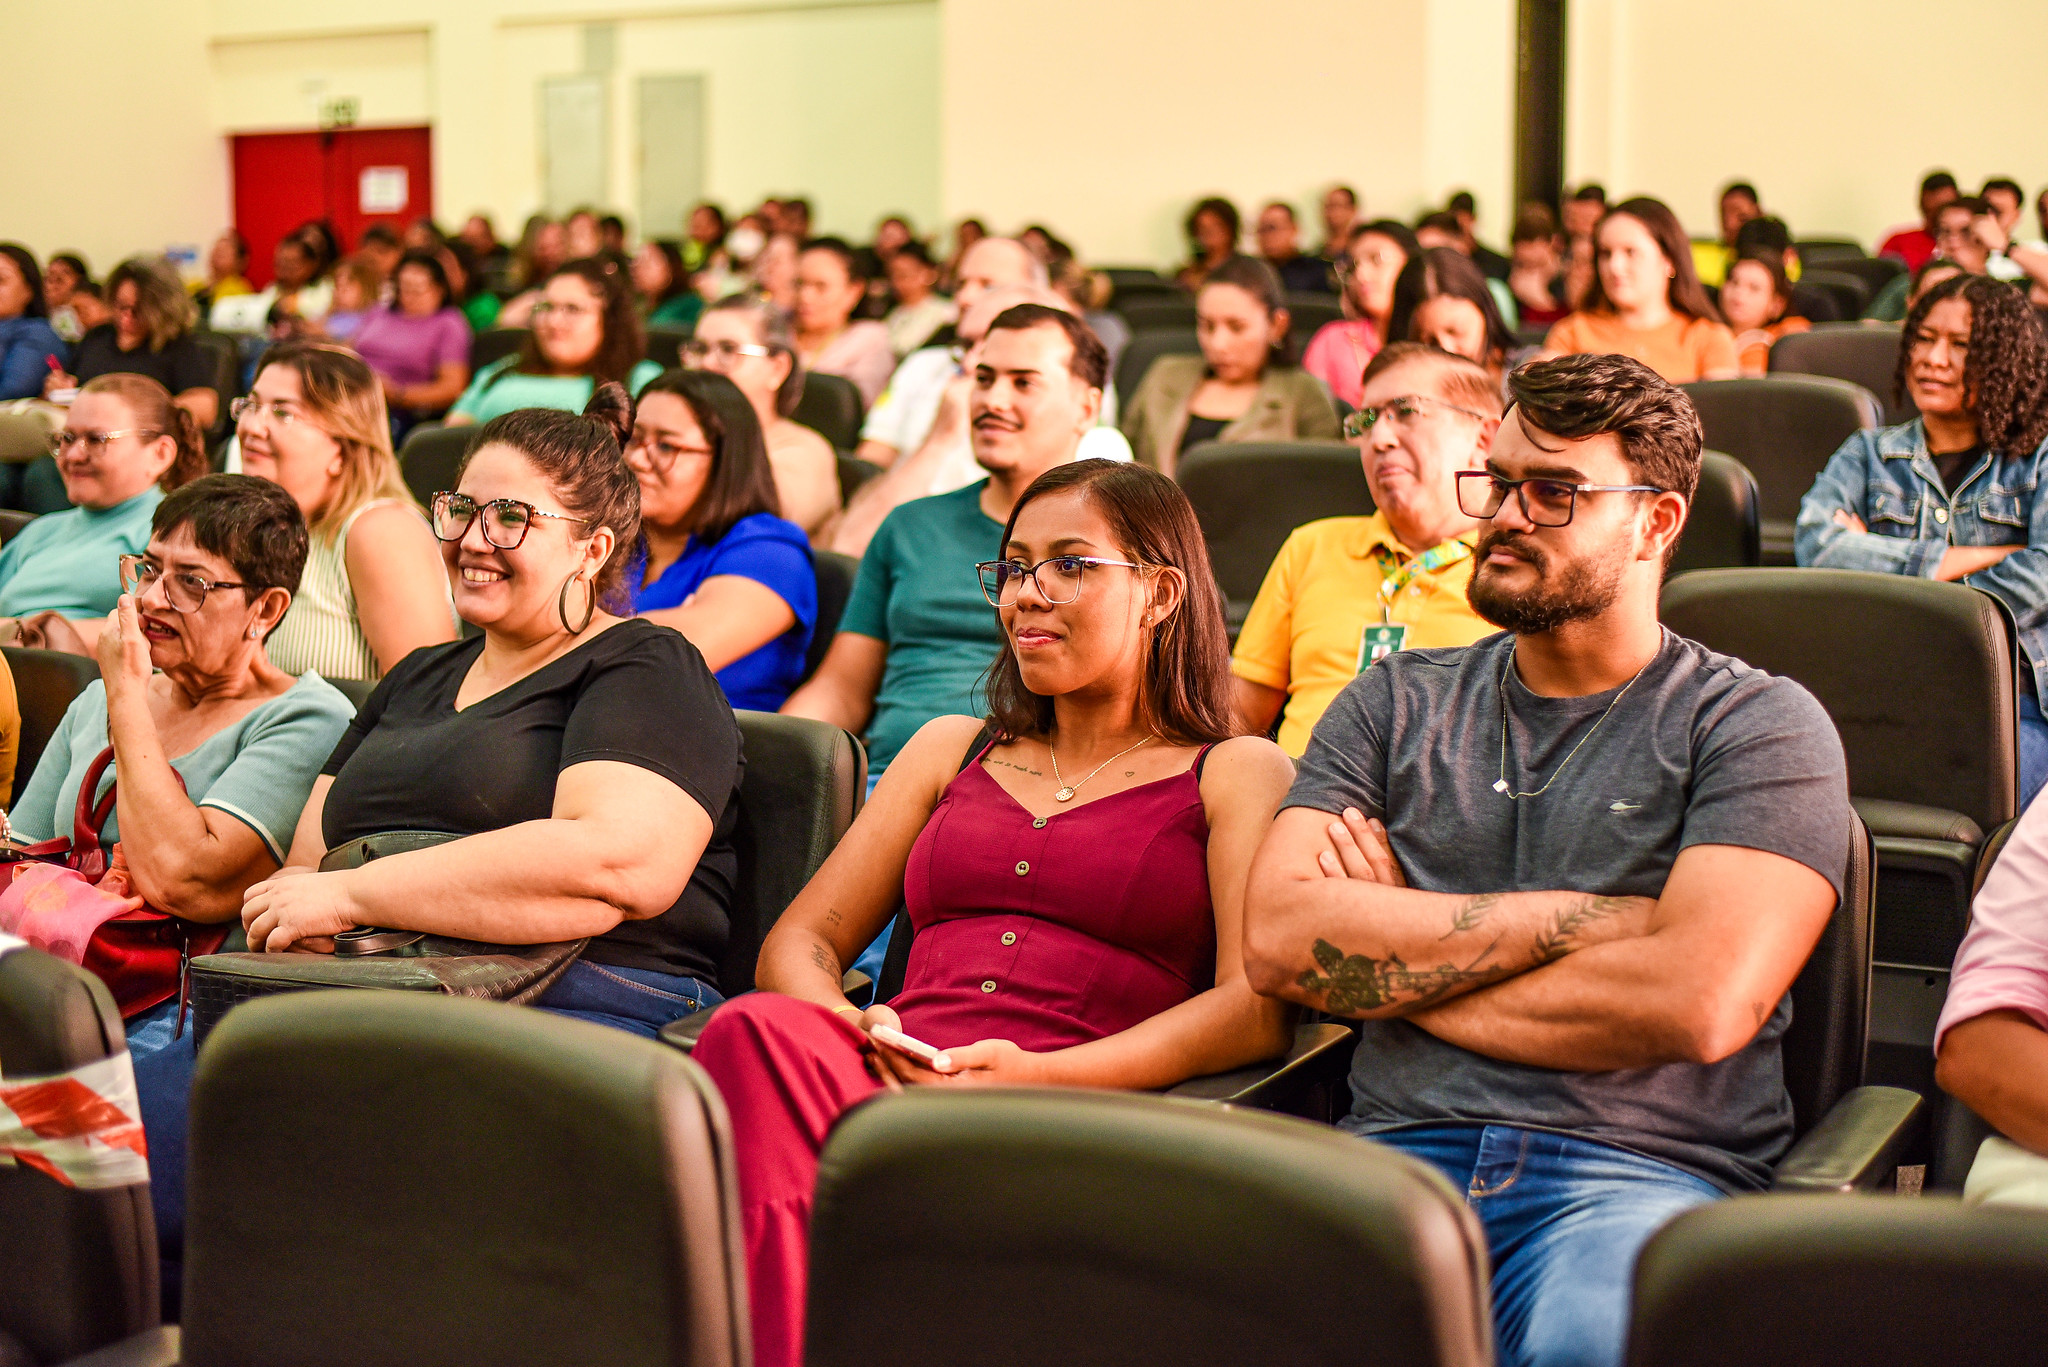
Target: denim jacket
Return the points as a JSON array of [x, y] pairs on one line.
[[1886, 478]]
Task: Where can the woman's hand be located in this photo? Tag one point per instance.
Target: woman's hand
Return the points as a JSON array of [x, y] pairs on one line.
[[1848, 520], [893, 1068], [1359, 849], [994, 1063], [124, 650], [57, 380], [299, 908]]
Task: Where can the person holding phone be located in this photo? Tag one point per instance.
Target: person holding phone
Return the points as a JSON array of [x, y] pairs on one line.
[[1076, 884]]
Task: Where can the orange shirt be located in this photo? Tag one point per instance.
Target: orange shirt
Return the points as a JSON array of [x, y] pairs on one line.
[[1682, 350], [1754, 346]]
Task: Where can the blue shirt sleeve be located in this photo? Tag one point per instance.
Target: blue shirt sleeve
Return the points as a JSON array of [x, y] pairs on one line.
[[24, 358], [774, 553]]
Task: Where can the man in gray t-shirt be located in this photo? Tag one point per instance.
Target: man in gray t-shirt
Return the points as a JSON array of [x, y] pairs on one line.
[[1565, 876]]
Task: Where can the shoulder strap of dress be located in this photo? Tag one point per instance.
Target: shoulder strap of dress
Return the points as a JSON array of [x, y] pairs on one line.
[[349, 522], [1202, 758], [984, 741]]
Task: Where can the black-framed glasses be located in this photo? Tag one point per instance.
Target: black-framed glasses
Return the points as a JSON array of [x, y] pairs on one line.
[[1058, 578], [697, 351], [93, 444], [506, 520], [1545, 502], [661, 453], [183, 590], [1404, 410]]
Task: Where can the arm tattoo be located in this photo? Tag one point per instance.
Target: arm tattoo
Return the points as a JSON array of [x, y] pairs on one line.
[[1555, 941], [1352, 983], [823, 957], [1470, 913]]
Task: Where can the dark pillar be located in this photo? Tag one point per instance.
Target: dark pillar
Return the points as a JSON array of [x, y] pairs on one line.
[[1539, 102]]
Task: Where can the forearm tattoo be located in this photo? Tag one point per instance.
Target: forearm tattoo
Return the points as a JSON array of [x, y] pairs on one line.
[[1353, 983], [1559, 938]]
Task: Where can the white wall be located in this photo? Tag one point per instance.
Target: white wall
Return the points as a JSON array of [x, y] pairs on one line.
[[1834, 112]]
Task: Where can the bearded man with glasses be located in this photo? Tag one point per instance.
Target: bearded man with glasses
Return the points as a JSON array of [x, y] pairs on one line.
[[1564, 876], [1345, 592]]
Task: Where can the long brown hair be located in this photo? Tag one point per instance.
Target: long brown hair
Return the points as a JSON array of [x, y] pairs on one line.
[[157, 411], [341, 396], [1686, 294], [1184, 697]]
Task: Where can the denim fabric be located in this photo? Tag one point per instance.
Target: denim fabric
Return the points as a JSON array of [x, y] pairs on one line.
[[1886, 478], [1564, 1220], [635, 999], [2033, 750]]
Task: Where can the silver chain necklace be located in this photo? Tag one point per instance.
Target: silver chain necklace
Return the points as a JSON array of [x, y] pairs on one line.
[[1501, 785], [1067, 790]]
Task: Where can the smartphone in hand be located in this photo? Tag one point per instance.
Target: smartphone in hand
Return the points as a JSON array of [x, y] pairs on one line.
[[917, 1048]]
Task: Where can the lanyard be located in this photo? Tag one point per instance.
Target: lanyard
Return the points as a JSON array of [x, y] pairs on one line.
[[1395, 576]]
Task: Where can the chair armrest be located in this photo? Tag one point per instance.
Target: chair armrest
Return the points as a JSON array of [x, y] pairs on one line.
[[1321, 1052], [1856, 1146], [682, 1033], [156, 1347]]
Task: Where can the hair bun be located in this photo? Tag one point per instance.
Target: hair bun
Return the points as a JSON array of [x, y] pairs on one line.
[[613, 407]]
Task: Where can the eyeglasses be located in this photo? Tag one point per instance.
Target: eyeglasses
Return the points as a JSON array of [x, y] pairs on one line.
[[662, 454], [697, 351], [183, 590], [506, 520], [95, 443], [571, 312], [1545, 502], [1403, 410], [277, 414], [1003, 580]]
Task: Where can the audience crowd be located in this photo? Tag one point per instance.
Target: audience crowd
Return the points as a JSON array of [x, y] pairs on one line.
[[1451, 780]]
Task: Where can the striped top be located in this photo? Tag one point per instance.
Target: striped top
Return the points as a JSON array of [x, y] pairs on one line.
[[321, 633]]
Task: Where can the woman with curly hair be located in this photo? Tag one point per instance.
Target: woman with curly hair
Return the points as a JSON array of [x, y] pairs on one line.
[[1956, 493]]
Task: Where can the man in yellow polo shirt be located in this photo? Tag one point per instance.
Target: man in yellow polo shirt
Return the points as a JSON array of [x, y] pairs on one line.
[[1346, 591]]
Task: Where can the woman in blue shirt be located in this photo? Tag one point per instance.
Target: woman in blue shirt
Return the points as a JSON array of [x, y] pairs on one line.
[[718, 562]]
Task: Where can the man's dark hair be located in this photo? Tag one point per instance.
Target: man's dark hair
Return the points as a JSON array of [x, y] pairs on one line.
[[1346, 191], [378, 235], [1443, 221], [2006, 365], [1533, 223], [612, 223], [1974, 205], [1283, 206], [2011, 187], [251, 523], [1585, 396], [1592, 191], [841, 248], [1220, 207], [1090, 361], [916, 251], [1764, 234], [1461, 203], [1937, 180], [1741, 187]]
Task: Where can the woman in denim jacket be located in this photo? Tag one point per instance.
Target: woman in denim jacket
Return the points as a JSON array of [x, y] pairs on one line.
[[1955, 493]]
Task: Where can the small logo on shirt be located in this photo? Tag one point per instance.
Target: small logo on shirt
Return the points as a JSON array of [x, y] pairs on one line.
[[1621, 805]]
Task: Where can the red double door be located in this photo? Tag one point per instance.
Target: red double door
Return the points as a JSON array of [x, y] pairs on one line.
[[351, 177]]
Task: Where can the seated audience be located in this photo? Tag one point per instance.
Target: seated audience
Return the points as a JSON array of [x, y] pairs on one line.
[[585, 333], [901, 417], [1915, 245], [1565, 876], [357, 287], [965, 234], [418, 344], [1463, 207], [717, 561], [582, 234], [380, 250], [374, 589], [1756, 301], [1536, 271], [663, 282], [1646, 303], [829, 287], [62, 275], [1346, 591], [920, 310], [543, 249], [1441, 232], [1340, 210], [89, 304], [747, 340], [1367, 269], [300, 290], [214, 747], [1712, 260], [1243, 387], [1892, 303], [1991, 1043], [30, 348], [489, 257], [151, 334], [1975, 364], [1279, 238], [1582, 214], [916, 635], [703, 237], [124, 445], [1132, 851], [1213, 229], [1441, 299], [774, 270]]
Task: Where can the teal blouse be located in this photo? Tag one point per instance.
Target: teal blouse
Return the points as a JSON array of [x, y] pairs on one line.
[[68, 561], [499, 388]]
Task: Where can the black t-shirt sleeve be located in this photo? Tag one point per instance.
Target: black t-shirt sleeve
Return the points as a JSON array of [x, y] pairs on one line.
[[94, 354], [372, 710], [191, 366], [655, 705]]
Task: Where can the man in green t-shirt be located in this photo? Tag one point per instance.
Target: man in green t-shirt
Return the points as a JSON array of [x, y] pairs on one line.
[[917, 634]]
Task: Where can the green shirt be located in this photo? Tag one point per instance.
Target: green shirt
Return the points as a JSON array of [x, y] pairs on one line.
[[68, 561], [918, 594], [499, 388]]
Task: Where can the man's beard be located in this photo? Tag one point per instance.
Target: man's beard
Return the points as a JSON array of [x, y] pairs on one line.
[[1581, 589]]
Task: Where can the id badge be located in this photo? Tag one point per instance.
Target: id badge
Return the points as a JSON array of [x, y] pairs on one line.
[[1379, 641]]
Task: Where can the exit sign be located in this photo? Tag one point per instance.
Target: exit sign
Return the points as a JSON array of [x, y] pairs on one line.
[[340, 113]]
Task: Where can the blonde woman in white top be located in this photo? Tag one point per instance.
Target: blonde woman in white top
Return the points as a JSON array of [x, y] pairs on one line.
[[374, 588]]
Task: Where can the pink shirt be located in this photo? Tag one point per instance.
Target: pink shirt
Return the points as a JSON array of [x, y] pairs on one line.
[[2003, 962], [1337, 355], [409, 350], [861, 354]]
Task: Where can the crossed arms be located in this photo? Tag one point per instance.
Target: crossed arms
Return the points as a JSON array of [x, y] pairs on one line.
[[1569, 980]]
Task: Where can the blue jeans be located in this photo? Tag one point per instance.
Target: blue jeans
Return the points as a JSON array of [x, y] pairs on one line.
[[1564, 1220], [2033, 746], [629, 999]]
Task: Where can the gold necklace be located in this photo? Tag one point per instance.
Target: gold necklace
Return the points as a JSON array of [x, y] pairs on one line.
[[1067, 790]]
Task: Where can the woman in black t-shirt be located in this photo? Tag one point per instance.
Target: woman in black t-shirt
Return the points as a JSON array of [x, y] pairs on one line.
[[151, 335], [589, 761]]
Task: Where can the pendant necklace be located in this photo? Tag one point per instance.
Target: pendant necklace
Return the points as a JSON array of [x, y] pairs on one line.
[[1067, 790], [1501, 785]]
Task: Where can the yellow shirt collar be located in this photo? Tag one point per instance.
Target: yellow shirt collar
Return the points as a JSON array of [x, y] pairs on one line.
[[1376, 532]]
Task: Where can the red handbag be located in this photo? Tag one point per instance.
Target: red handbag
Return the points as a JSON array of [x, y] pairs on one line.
[[139, 952]]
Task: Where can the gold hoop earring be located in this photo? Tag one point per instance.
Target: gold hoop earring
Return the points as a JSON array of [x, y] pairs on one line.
[[562, 606]]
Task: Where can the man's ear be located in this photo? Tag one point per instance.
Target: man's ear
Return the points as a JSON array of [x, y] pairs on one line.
[[1483, 443], [1664, 525], [1091, 407]]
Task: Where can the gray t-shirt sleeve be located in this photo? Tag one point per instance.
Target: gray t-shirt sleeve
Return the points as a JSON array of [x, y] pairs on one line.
[[266, 784], [1345, 764], [1769, 775]]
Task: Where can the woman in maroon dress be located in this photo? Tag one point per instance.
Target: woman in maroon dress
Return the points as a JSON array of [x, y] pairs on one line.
[[1077, 891]]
